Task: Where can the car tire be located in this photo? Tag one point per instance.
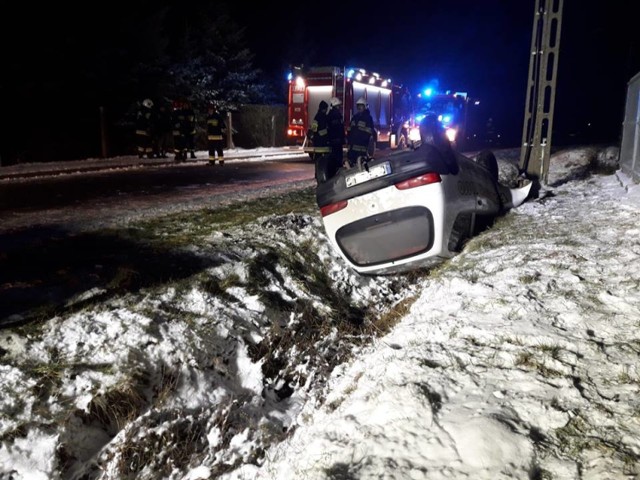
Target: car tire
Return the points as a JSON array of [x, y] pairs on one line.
[[487, 159], [461, 231]]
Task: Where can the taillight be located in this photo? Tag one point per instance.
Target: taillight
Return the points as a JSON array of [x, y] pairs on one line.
[[420, 180], [333, 208]]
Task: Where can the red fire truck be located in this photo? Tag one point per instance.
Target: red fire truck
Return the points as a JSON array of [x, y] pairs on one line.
[[389, 103]]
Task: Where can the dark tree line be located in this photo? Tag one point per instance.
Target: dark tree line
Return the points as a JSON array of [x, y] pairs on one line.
[[70, 70]]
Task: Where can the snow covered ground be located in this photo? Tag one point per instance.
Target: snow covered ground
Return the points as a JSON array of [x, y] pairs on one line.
[[517, 359]]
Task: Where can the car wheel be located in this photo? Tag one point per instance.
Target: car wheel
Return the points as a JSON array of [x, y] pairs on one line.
[[461, 231], [487, 159]]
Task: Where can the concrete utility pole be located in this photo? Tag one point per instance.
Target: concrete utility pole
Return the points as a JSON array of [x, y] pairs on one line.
[[541, 89]]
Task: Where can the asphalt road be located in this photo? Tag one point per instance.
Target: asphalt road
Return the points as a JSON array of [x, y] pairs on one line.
[[54, 199]]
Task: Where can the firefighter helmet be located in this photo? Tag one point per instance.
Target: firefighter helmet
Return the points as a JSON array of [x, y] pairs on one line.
[[361, 101], [147, 103], [335, 102]]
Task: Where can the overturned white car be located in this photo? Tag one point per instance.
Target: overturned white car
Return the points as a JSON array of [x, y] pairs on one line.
[[413, 208]]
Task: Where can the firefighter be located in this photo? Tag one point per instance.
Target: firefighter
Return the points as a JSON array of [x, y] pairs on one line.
[[162, 131], [361, 134], [216, 128], [189, 130], [178, 119], [144, 125], [335, 134], [319, 134]]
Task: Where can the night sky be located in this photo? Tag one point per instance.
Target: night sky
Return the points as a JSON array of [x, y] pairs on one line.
[[481, 47]]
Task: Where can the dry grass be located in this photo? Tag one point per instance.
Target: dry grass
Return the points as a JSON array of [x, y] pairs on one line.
[[164, 450], [383, 323], [118, 406]]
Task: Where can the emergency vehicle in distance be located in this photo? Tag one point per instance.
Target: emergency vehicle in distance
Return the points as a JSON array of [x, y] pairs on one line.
[[389, 104], [450, 108]]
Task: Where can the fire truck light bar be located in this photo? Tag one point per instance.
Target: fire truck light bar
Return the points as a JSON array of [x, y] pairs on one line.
[[370, 78]]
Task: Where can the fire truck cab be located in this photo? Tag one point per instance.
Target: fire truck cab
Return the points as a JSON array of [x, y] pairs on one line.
[[309, 86]]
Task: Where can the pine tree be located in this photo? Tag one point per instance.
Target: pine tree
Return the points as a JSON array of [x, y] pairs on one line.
[[211, 62]]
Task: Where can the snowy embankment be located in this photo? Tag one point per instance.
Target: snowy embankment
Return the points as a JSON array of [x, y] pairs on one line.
[[515, 359]]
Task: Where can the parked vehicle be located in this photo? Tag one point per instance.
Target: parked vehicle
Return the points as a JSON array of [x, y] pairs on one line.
[[413, 208]]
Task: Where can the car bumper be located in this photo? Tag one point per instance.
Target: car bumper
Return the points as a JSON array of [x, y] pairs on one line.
[[390, 230]]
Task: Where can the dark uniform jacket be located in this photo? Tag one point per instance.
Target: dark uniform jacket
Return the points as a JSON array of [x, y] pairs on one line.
[[144, 124], [335, 127], [361, 131], [163, 124], [320, 130], [188, 125], [216, 126], [144, 121]]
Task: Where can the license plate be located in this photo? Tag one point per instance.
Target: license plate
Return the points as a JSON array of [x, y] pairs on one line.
[[376, 171]]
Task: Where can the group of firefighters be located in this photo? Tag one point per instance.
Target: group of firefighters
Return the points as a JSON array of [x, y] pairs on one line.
[[327, 134], [158, 130], [155, 127]]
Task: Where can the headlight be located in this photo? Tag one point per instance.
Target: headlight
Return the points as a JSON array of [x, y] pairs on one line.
[[451, 134], [414, 134]]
